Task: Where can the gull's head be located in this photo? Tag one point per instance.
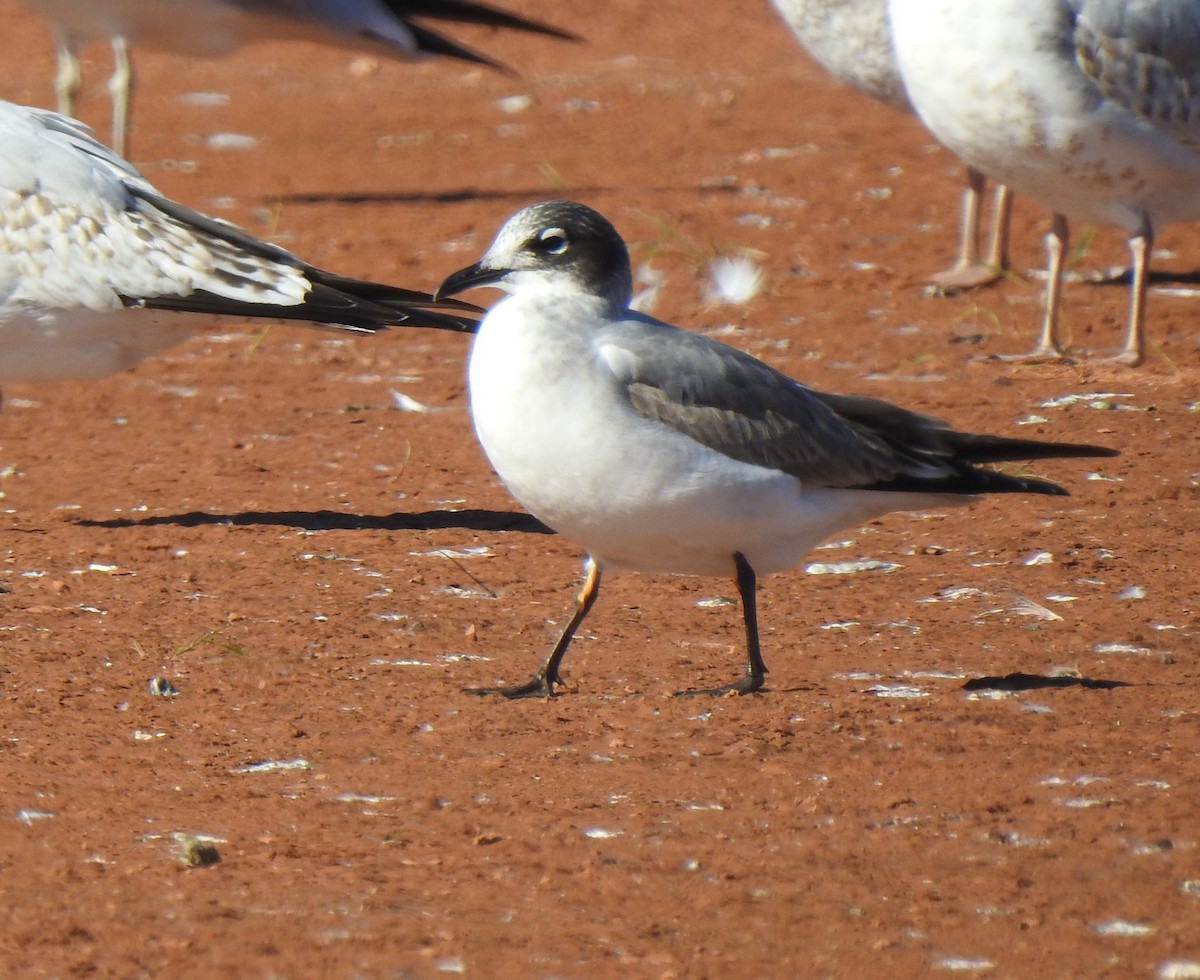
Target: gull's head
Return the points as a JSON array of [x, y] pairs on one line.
[[555, 245]]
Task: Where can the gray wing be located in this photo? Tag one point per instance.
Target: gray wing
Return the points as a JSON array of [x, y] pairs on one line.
[[735, 404], [72, 132], [1145, 56], [739, 406]]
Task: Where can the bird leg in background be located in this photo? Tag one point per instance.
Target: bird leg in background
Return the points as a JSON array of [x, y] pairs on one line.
[[756, 670], [1048, 347], [969, 271], [1134, 352], [1057, 244], [120, 87], [69, 77], [1001, 226], [541, 685]]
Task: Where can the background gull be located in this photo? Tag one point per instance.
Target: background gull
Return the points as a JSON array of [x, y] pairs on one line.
[[661, 450], [98, 270], [216, 28], [852, 40], [1089, 106]]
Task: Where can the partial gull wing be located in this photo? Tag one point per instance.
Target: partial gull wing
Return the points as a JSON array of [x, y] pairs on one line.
[[97, 268]]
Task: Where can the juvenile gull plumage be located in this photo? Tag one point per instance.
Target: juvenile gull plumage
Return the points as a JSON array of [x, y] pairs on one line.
[[217, 28], [98, 270], [661, 450], [852, 40], [1091, 107]]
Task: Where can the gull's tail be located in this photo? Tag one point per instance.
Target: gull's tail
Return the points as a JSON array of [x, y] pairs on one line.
[[931, 457]]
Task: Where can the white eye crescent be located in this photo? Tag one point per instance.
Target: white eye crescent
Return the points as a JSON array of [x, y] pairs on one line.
[[553, 241]]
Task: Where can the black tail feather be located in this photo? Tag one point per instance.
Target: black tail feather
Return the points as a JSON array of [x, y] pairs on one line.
[[924, 435], [323, 306], [969, 481], [973, 448]]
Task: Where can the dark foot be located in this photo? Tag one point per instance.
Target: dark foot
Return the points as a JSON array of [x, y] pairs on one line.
[[746, 684], [538, 686]]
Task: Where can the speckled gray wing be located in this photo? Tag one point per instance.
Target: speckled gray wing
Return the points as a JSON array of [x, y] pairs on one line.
[[738, 406], [80, 228], [1145, 56], [243, 276]]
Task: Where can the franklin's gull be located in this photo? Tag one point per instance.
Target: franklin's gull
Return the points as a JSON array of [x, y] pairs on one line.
[[1088, 106], [98, 270], [662, 450], [216, 28], [852, 40]]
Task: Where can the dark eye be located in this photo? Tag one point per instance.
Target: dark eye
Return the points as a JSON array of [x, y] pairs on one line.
[[552, 241]]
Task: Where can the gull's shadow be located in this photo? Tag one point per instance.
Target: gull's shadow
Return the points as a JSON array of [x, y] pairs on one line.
[[1037, 682], [1158, 277], [328, 520], [463, 194]]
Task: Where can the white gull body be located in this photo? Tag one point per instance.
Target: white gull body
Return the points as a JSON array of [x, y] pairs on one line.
[[1089, 106], [852, 40], [662, 450], [99, 271], [638, 494]]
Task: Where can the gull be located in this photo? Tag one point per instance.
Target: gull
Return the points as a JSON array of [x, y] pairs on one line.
[[852, 40], [1088, 106], [661, 450], [216, 28], [98, 270]]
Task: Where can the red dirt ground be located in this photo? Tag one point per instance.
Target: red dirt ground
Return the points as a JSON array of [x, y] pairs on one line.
[[260, 524]]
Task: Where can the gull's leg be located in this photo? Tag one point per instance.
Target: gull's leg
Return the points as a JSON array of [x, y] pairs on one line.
[[1134, 351], [1001, 226], [119, 88], [756, 670], [1048, 347], [1057, 243], [541, 685], [970, 271], [69, 77]]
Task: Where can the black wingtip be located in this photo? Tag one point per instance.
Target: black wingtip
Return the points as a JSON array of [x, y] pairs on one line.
[[471, 12], [464, 12], [432, 43], [1002, 449], [973, 480], [969, 481], [323, 307]]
